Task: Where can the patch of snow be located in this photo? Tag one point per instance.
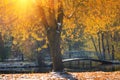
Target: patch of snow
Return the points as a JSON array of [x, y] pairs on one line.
[[59, 24], [48, 28], [58, 31]]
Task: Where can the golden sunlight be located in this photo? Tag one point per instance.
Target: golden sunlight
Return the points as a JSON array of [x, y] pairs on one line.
[[23, 3], [23, 6], [26, 2]]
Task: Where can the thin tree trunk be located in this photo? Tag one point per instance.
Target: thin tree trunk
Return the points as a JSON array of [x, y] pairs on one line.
[[2, 51], [113, 53], [93, 41], [99, 44], [108, 46], [103, 46]]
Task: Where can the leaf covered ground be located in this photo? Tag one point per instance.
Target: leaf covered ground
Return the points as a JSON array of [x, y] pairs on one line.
[[78, 75]]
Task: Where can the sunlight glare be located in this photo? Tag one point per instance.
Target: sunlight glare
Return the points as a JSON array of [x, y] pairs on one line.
[[23, 3], [23, 6]]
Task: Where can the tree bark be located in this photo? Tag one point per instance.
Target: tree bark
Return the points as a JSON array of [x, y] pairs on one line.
[[2, 51], [113, 50], [103, 46], [108, 45], [53, 28], [93, 41], [113, 53], [99, 43], [55, 50]]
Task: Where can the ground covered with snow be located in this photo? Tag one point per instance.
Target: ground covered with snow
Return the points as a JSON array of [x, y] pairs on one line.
[[63, 76]]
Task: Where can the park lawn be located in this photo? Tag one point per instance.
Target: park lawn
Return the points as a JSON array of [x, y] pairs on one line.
[[78, 75]]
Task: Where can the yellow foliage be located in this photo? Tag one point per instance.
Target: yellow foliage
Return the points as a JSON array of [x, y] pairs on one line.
[[95, 15], [14, 42]]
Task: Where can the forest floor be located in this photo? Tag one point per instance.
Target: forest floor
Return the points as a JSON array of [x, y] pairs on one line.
[[78, 75]]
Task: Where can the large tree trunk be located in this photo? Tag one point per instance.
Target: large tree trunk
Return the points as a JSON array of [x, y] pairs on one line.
[[53, 28], [55, 50]]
